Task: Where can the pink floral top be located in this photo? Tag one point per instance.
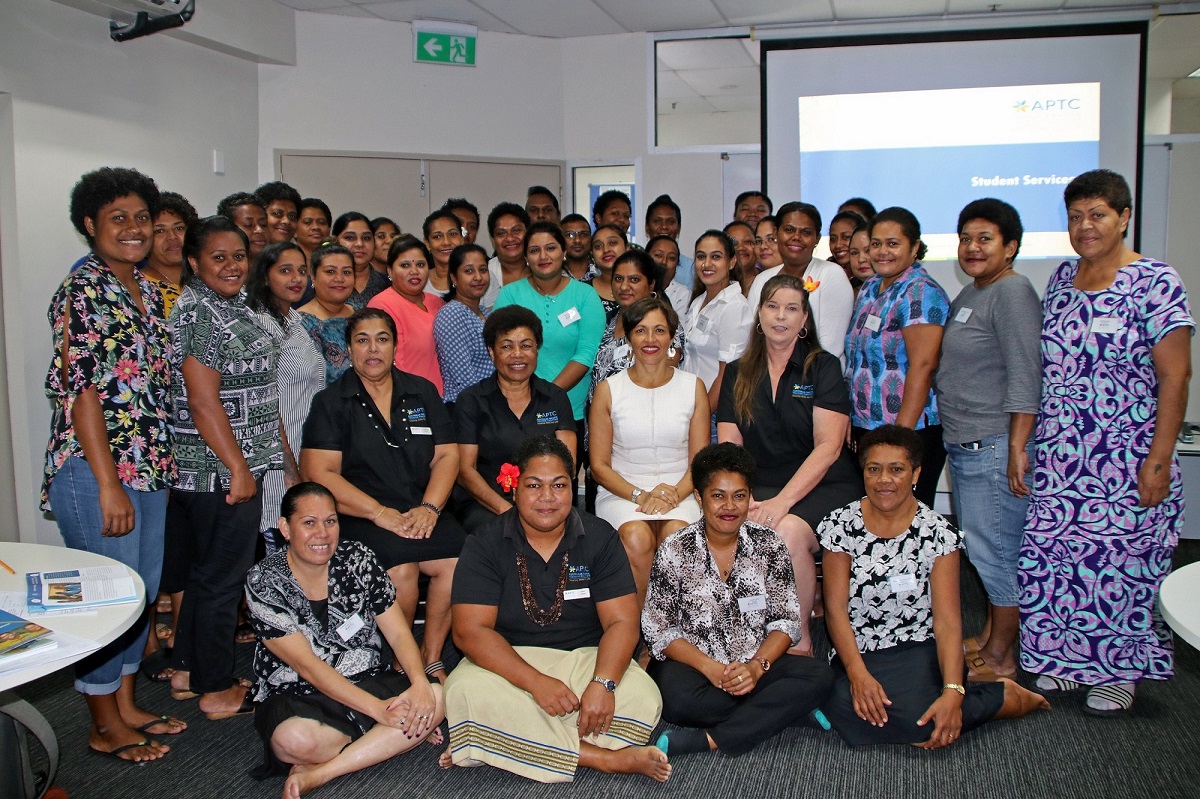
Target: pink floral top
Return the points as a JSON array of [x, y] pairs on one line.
[[125, 355]]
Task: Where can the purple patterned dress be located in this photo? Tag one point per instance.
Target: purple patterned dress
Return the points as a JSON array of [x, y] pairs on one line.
[[1092, 561]]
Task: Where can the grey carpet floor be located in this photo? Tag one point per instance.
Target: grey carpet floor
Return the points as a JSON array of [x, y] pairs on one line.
[[1153, 752]]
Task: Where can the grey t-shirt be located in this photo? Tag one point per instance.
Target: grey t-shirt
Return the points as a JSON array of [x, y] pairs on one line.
[[991, 362]]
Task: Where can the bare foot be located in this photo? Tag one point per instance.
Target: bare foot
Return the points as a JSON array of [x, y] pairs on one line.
[[301, 780], [150, 724], [1019, 701], [648, 760], [444, 759], [435, 737], [110, 740], [227, 701]]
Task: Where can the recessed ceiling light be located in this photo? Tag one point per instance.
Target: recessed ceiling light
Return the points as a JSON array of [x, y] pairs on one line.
[[1195, 73]]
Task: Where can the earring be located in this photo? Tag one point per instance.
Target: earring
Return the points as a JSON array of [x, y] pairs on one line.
[[803, 333], [654, 294], [759, 326], [671, 351]]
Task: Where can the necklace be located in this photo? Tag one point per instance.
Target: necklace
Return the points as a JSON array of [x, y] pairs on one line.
[[542, 618]]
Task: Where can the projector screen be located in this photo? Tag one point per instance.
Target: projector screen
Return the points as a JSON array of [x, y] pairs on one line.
[[931, 123]]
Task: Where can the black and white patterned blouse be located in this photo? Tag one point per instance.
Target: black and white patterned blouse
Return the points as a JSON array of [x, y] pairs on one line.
[[890, 598], [359, 590], [726, 620]]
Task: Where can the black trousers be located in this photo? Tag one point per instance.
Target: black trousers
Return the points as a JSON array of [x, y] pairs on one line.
[[933, 458], [912, 679], [793, 687], [221, 539]]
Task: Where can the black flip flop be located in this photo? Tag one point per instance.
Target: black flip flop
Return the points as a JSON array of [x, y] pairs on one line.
[[116, 753], [145, 728], [154, 664]]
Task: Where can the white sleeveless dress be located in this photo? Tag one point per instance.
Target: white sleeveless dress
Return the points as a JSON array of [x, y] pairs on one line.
[[650, 444]]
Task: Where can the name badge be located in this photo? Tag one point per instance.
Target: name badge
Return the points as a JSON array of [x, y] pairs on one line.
[[569, 316], [703, 323], [963, 315], [350, 626], [873, 323], [577, 593], [748, 604], [1107, 324], [421, 431], [902, 583]]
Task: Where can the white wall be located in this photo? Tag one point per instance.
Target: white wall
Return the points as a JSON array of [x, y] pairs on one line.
[[1183, 243], [355, 87], [81, 101]]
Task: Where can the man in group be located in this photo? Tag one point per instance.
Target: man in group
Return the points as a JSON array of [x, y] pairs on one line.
[[663, 218], [468, 216], [751, 206], [579, 262], [250, 214], [283, 209], [613, 208], [542, 205]]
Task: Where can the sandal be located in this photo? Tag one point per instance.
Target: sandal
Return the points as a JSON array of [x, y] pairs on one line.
[[184, 694], [145, 728], [1046, 684], [1118, 695], [979, 670], [244, 634], [156, 667]]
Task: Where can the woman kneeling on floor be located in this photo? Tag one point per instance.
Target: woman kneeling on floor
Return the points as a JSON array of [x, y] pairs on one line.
[[546, 615], [326, 702], [721, 612], [893, 613]]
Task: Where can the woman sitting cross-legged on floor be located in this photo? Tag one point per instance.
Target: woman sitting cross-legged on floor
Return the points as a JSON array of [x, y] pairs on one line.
[[546, 615], [327, 703], [721, 612], [893, 614]]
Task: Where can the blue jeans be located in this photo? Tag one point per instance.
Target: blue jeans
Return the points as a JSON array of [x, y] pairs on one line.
[[75, 498], [991, 517]]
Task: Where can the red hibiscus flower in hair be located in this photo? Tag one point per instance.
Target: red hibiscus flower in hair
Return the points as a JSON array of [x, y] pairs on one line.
[[509, 474]]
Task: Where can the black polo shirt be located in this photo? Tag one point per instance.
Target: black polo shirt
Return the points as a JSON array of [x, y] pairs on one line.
[[482, 417], [390, 463], [781, 437], [487, 575]]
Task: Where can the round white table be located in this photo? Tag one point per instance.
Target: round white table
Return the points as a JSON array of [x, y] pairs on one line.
[[1179, 600], [103, 626]]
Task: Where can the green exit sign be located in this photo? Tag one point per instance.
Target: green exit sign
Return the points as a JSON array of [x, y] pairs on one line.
[[445, 48]]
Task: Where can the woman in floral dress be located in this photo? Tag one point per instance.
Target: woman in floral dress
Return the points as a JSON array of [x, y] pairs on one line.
[[1107, 497]]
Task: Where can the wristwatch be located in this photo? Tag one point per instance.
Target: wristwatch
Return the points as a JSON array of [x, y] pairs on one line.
[[961, 691], [609, 685], [637, 492], [766, 664]]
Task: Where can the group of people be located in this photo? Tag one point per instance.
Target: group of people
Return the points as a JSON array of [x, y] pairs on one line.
[[355, 407]]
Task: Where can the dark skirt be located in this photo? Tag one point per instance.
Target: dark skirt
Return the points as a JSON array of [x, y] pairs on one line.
[[391, 550], [269, 714], [820, 502], [912, 679]]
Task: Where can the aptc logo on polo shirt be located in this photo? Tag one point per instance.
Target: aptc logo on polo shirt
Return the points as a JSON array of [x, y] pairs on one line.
[[802, 391], [547, 417], [579, 573]]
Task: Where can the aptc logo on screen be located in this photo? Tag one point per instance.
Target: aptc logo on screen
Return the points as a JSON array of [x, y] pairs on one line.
[[1059, 104]]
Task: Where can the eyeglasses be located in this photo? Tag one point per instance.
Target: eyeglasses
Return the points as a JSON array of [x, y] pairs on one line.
[[767, 239]]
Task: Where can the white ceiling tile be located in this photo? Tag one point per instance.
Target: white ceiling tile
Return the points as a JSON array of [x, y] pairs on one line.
[[349, 11], [984, 6], [445, 10], [314, 5], [703, 54], [671, 86], [1172, 63], [663, 15], [558, 18], [1175, 30], [772, 12], [737, 102], [717, 81], [684, 105], [884, 9]]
